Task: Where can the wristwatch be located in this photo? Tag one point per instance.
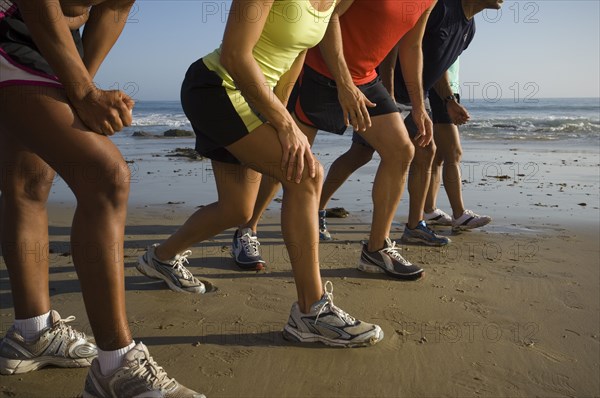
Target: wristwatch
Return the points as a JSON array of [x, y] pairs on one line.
[[449, 98]]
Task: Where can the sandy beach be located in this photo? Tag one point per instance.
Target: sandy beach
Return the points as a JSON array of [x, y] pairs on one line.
[[512, 310]]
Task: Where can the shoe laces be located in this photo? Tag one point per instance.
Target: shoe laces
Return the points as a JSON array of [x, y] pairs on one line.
[[469, 213], [347, 318], [177, 264], [67, 330], [393, 253], [427, 229], [148, 370], [250, 244]]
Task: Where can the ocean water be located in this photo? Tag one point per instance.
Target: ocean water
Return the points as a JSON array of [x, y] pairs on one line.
[[538, 145], [574, 121]]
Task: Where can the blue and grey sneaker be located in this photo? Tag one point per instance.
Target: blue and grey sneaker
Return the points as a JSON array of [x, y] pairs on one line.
[[323, 232], [244, 250], [388, 260], [423, 235], [330, 325], [173, 272]]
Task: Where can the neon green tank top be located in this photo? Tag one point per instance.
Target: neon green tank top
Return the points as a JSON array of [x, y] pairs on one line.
[[291, 27]]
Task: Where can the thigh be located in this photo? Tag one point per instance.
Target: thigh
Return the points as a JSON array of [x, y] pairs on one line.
[[261, 151], [58, 137], [446, 137], [236, 184], [22, 171], [387, 133]]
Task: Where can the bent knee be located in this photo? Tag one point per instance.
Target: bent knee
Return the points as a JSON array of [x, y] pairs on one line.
[[360, 154], [235, 212], [399, 153], [308, 183], [29, 191], [103, 185]]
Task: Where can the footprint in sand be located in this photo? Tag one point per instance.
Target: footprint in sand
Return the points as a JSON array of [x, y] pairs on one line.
[[572, 300], [491, 380]]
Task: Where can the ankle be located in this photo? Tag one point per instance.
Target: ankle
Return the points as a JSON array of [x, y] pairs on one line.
[[31, 328], [458, 214], [159, 255], [112, 360]]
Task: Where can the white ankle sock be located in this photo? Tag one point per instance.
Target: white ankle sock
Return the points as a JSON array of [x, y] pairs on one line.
[[31, 328], [112, 360]]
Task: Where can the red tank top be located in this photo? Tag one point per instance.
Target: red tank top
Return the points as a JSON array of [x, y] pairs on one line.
[[370, 29]]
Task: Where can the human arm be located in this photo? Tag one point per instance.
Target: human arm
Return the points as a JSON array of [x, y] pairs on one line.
[[458, 113], [386, 71], [103, 28], [353, 102], [241, 35], [411, 61], [284, 86], [103, 112]]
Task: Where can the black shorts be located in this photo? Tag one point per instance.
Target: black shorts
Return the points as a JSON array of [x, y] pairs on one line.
[[406, 114], [438, 108], [219, 116], [315, 101]]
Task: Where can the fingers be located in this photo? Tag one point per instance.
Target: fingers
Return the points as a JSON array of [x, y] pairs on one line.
[[291, 165], [285, 157], [299, 165], [312, 163], [124, 113]]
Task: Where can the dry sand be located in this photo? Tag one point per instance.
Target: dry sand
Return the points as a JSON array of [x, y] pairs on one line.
[[512, 310]]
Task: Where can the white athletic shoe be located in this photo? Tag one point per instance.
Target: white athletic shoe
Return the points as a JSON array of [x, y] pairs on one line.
[[438, 217], [470, 220]]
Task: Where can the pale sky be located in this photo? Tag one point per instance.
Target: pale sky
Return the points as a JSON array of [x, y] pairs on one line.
[[530, 49]]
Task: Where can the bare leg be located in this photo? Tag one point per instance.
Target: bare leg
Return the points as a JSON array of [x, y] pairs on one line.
[[357, 156], [390, 139], [449, 151], [270, 186], [94, 169], [261, 150], [25, 182], [237, 187], [267, 191], [418, 182]]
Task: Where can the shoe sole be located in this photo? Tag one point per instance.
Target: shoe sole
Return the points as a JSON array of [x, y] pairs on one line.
[[20, 366], [466, 227], [441, 224], [375, 269], [150, 272], [295, 336], [257, 266], [424, 242]]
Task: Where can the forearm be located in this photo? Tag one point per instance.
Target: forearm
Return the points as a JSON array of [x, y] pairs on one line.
[[386, 70], [411, 62], [331, 48], [102, 30], [51, 34], [284, 87], [442, 87], [250, 80]]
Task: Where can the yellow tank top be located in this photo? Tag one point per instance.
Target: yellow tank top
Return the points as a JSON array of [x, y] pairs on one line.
[[291, 27]]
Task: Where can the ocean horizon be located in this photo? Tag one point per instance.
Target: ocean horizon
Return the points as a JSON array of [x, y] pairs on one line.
[[573, 119]]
